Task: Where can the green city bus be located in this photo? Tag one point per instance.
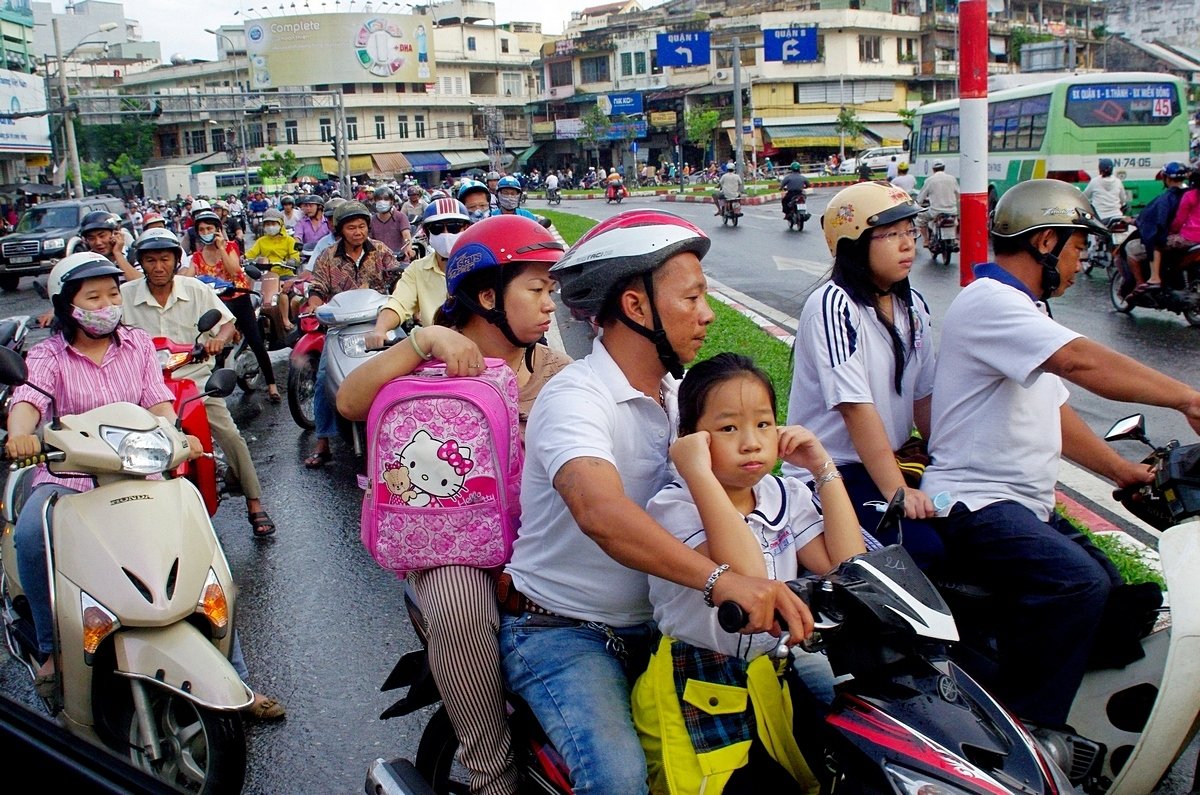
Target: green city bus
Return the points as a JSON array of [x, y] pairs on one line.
[[1060, 128]]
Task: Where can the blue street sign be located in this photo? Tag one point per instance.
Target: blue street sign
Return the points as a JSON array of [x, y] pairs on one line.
[[684, 49], [790, 45], [757, 121]]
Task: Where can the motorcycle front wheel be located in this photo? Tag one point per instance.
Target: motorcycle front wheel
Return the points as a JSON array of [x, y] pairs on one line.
[[301, 387], [203, 751], [1117, 293], [435, 756]]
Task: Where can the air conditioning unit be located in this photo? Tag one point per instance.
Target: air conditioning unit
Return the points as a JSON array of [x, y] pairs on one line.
[[722, 74], [554, 92]]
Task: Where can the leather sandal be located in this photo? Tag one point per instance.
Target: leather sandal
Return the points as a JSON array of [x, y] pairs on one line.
[[265, 709], [261, 523], [318, 460]]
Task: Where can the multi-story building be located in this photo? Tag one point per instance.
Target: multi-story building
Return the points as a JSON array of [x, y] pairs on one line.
[[209, 119], [25, 152]]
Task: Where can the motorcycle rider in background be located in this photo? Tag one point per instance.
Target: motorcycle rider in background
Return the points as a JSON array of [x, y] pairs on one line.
[[793, 184], [508, 198], [104, 235], [1009, 364], [904, 180], [388, 226], [476, 198], [1107, 194], [165, 304], [312, 226], [492, 180], [291, 216], [729, 187], [939, 195], [1154, 227], [415, 205], [354, 262], [421, 290]]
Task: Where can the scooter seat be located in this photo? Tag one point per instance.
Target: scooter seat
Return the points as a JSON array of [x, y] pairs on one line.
[[8, 331]]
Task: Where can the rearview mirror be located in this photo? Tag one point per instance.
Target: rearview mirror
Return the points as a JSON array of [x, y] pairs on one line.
[[209, 320], [12, 367], [1131, 428], [252, 271], [221, 383]]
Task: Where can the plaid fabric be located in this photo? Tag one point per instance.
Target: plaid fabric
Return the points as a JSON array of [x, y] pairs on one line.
[[711, 732]]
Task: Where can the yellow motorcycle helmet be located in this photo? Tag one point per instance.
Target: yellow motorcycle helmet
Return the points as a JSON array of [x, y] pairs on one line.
[[864, 206]]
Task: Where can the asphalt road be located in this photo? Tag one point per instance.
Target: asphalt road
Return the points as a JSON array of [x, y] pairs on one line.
[[323, 624]]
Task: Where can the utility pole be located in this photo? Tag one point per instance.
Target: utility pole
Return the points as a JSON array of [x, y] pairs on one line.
[[344, 153], [739, 153], [72, 145]]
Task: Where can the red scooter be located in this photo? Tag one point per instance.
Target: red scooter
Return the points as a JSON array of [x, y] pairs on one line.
[[194, 419]]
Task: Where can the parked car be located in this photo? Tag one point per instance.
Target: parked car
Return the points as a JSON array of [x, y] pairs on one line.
[[47, 232], [877, 158]]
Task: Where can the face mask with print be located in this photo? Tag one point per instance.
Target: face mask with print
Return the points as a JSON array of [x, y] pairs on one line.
[[270, 229], [208, 238], [507, 202], [443, 243], [478, 215], [97, 322], [382, 206]]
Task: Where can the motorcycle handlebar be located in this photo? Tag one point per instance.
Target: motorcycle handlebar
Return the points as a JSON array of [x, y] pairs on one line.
[[32, 460]]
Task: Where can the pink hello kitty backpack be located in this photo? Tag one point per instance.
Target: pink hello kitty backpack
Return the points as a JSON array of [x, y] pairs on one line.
[[443, 478]]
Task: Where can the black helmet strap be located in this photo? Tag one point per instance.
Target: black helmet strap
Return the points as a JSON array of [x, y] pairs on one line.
[[666, 354], [1049, 262], [495, 315]]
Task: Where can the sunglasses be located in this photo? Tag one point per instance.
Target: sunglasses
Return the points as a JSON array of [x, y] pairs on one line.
[[440, 227]]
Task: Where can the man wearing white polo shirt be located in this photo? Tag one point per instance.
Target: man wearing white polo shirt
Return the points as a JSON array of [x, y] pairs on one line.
[[1001, 425]]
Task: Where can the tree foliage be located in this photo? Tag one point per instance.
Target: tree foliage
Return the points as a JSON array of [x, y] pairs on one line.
[[595, 127], [106, 143], [699, 124], [90, 173], [124, 166], [276, 164]]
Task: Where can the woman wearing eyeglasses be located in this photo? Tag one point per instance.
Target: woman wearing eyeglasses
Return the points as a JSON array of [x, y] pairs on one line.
[[422, 288], [863, 375]]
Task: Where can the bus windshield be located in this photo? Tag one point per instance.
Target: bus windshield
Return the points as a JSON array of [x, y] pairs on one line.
[[1122, 104]]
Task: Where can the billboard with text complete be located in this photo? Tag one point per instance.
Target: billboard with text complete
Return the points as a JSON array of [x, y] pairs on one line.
[[306, 49]]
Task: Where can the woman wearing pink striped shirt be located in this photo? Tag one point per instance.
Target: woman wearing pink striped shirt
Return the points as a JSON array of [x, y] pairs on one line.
[[91, 361]]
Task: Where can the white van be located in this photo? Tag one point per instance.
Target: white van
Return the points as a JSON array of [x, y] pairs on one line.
[[876, 157]]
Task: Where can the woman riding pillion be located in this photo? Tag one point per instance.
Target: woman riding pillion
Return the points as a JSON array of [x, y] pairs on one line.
[[499, 305], [864, 361], [219, 258]]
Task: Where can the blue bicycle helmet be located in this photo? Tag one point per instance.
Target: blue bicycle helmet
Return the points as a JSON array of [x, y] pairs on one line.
[[508, 182]]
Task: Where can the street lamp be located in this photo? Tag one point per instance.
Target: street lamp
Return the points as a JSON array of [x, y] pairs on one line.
[[68, 122], [241, 116]]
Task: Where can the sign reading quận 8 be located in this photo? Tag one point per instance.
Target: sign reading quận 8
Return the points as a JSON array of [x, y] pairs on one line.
[[684, 49], [790, 45]]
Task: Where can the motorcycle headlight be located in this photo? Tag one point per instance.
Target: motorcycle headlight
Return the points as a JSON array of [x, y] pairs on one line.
[[141, 452], [912, 782], [54, 244], [354, 345]]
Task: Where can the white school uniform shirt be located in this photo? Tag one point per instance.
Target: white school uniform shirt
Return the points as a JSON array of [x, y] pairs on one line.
[[588, 410], [844, 355], [783, 521], [996, 431]]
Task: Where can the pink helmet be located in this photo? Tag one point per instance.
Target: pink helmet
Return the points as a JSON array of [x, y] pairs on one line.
[[628, 244]]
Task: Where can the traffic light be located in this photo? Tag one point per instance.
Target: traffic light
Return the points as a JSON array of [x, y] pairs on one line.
[[333, 144]]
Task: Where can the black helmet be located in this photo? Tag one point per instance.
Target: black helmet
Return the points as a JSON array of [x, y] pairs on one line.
[[348, 211], [98, 221], [384, 192], [312, 198]]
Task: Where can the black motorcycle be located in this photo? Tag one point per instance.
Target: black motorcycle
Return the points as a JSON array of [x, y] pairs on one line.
[[1180, 290], [795, 209]]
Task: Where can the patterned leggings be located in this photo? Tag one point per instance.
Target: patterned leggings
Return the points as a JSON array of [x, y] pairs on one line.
[[459, 604]]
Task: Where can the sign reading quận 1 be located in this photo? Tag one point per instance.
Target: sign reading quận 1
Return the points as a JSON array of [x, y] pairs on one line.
[[308, 49], [684, 49], [790, 45]]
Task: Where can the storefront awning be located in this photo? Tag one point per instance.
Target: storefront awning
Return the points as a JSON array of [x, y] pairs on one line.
[[523, 158], [427, 161], [749, 141], [797, 136], [391, 163], [889, 133], [359, 164], [310, 171], [468, 158]]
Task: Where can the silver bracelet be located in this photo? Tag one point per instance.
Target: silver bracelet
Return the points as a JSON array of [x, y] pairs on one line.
[[712, 581], [829, 478]]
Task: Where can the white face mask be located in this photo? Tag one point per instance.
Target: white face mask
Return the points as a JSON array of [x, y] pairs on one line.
[[382, 207], [270, 229], [443, 243]]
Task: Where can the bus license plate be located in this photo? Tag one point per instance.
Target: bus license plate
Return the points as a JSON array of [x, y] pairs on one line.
[[20, 260]]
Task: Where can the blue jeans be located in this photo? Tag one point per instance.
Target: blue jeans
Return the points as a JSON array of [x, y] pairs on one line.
[[1053, 584], [579, 692], [324, 413], [31, 561], [920, 539]]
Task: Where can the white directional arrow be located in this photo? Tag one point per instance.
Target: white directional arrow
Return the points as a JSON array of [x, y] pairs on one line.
[[685, 52], [791, 49], [807, 265]]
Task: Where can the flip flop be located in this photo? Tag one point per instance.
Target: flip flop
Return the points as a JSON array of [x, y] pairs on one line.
[[261, 524], [318, 460]]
